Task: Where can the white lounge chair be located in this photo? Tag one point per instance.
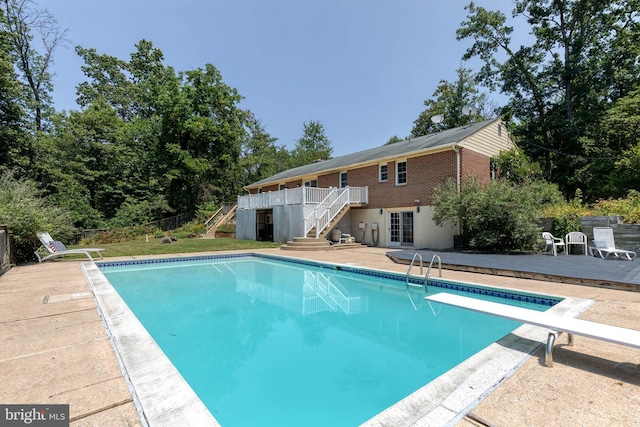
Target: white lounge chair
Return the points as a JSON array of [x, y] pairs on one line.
[[554, 242], [605, 245], [56, 248], [575, 238]]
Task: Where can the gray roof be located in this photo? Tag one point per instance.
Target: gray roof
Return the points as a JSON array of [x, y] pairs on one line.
[[421, 143]]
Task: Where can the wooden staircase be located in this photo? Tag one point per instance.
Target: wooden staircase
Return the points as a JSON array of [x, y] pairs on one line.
[[211, 231]]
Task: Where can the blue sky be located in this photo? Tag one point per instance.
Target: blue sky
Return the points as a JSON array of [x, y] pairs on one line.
[[362, 68]]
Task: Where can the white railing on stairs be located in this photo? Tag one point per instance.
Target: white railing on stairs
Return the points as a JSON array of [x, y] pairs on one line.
[[326, 210]]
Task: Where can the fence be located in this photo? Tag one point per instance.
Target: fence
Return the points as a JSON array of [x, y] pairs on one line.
[[172, 222], [626, 236], [165, 224], [5, 249]]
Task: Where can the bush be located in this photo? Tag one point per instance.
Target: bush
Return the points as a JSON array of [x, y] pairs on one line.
[[227, 228], [498, 217], [123, 234], [133, 211], [566, 216], [628, 208], [25, 212]]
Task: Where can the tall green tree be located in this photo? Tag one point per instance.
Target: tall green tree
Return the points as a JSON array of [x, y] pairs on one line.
[[260, 157], [313, 145], [32, 61], [564, 81], [179, 133], [15, 146], [448, 102]]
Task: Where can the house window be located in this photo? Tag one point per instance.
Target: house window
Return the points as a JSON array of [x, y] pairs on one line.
[[499, 130], [343, 179], [259, 190], [311, 183], [401, 173], [383, 173], [282, 187]]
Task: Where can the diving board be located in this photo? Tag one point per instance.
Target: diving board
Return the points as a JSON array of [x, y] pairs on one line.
[[555, 322]]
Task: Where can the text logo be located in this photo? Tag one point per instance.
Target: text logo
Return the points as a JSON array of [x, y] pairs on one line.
[[34, 415]]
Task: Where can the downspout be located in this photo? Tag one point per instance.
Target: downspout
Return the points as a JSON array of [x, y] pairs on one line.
[[458, 179], [457, 150]]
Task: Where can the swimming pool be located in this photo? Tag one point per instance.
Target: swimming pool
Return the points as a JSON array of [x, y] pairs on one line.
[[241, 328]]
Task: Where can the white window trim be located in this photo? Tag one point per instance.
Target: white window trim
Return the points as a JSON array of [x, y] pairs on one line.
[[340, 179], [406, 172], [380, 172]]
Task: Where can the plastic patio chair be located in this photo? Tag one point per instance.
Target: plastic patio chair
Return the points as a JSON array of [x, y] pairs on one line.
[[554, 242], [605, 245], [575, 238]]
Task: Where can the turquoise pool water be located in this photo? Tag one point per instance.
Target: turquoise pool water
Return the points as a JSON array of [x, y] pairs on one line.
[[266, 342]]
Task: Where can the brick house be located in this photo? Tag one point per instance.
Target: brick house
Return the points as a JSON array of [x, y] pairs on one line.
[[380, 196]]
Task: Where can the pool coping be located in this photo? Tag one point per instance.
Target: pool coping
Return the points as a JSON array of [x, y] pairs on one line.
[[164, 398]]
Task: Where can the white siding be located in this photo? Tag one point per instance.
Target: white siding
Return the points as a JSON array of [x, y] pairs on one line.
[[489, 141]]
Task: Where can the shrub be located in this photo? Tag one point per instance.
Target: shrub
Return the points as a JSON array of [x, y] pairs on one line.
[[123, 234], [628, 208], [227, 228], [133, 211], [498, 217], [566, 216], [25, 212]]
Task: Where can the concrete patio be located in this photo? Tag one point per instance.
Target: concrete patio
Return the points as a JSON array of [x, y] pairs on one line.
[[56, 350]]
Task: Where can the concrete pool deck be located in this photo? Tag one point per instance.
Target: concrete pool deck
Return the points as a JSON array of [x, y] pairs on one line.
[[59, 351]]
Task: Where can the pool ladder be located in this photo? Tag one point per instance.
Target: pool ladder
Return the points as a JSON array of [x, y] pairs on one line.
[[426, 276]]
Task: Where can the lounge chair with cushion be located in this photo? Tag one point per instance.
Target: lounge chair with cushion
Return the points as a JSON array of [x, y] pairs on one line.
[[56, 248], [554, 242], [605, 245], [575, 238]]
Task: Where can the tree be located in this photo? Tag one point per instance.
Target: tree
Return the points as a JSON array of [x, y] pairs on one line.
[[177, 134], [394, 139], [562, 84], [449, 100], [515, 166], [312, 146], [21, 19], [15, 148], [260, 156]]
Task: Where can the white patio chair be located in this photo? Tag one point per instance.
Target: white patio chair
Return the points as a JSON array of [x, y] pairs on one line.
[[575, 238], [554, 242], [605, 245], [56, 248]]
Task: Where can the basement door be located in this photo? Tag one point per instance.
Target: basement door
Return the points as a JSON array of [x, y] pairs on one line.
[[401, 228], [264, 225]]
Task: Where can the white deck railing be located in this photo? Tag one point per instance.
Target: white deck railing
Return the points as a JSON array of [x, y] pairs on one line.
[[326, 210], [298, 196]]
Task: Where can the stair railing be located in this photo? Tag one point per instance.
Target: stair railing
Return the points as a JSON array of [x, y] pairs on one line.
[[210, 222], [326, 211]]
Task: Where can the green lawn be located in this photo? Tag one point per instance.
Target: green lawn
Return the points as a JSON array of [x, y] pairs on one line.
[[156, 247]]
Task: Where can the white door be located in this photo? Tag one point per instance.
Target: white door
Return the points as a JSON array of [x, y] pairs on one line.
[[401, 228]]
